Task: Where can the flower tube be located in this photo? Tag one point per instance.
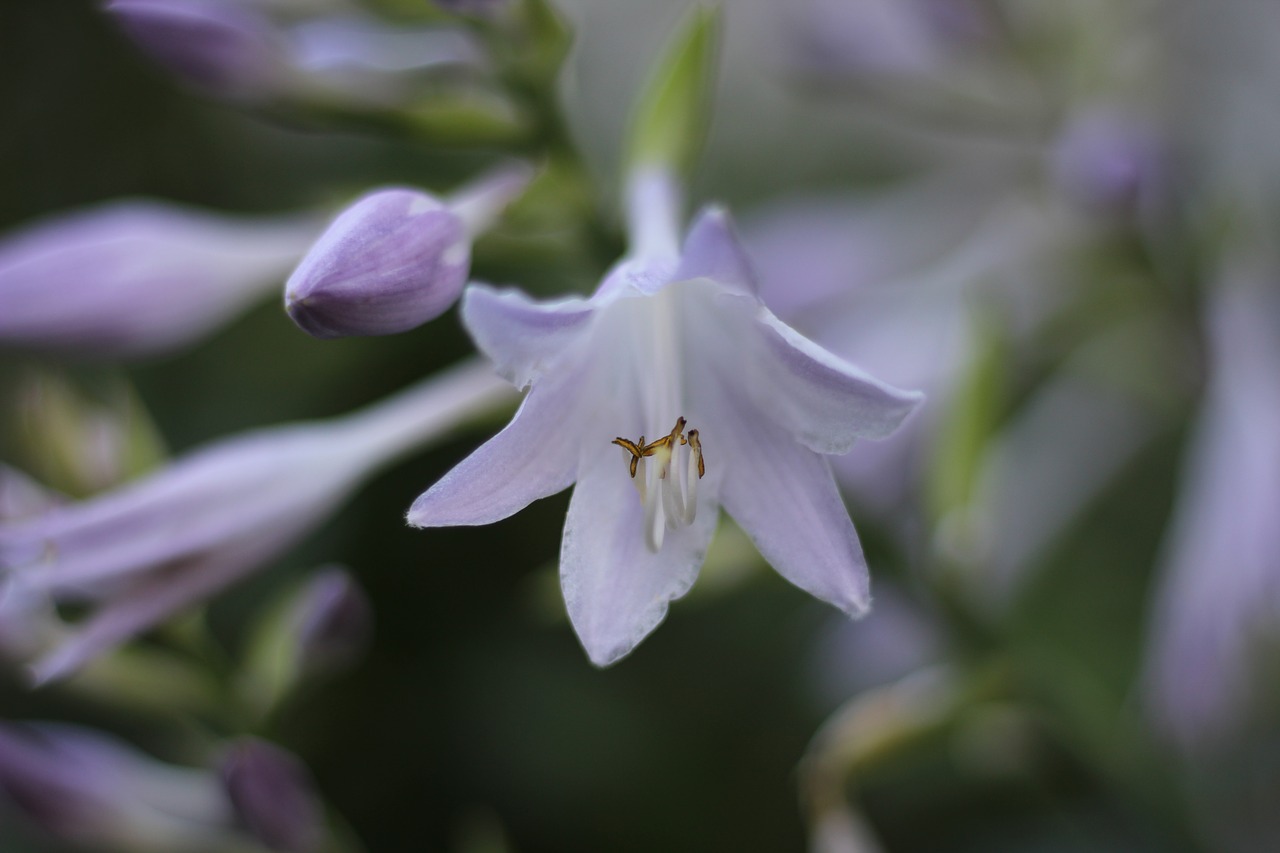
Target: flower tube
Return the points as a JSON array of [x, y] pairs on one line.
[[154, 546], [130, 278]]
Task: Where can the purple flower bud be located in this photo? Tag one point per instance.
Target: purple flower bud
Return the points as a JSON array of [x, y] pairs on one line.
[[886, 37], [1107, 160], [82, 786], [333, 622], [136, 277], [274, 796], [219, 47], [392, 261], [396, 258]]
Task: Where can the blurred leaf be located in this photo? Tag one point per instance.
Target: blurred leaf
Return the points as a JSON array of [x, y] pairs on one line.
[[674, 112]]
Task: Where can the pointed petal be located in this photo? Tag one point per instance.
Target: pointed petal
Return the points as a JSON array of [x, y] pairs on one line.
[[785, 498], [519, 335], [712, 250], [616, 589], [535, 456], [823, 400]]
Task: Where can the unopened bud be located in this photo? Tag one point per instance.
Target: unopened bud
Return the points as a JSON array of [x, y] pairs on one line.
[[392, 261], [1107, 159], [274, 796], [333, 621], [221, 48]]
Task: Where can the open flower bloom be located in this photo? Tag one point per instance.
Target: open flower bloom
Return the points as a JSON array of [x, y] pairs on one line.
[[668, 393], [176, 537]]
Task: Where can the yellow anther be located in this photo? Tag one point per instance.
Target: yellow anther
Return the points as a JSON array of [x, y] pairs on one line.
[[695, 446], [636, 449], [663, 448]]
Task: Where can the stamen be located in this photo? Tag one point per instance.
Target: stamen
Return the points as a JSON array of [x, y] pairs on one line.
[[695, 446], [636, 449], [675, 502]]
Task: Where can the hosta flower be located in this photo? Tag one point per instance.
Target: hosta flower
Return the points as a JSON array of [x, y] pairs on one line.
[[146, 550], [234, 50], [97, 792], [713, 402], [395, 258], [81, 786], [1214, 626], [135, 277]]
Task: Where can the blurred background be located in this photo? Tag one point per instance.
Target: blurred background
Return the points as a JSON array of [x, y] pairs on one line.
[[1056, 218]]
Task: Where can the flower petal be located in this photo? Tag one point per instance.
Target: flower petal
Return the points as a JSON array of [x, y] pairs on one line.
[[712, 250], [784, 497], [241, 489], [823, 400], [535, 456], [133, 277], [153, 600], [616, 589], [519, 335]]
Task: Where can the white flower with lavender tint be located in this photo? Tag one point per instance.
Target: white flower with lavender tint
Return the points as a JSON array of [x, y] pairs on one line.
[[394, 259], [137, 277], [152, 547], [1218, 607], [669, 393]]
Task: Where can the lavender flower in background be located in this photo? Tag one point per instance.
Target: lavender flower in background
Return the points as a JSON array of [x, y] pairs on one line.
[[84, 787], [353, 44], [332, 621], [1109, 159], [25, 619], [394, 259], [162, 543], [1215, 615], [273, 795], [22, 497], [131, 278], [228, 49], [890, 282], [674, 339], [220, 47], [315, 631], [901, 37]]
